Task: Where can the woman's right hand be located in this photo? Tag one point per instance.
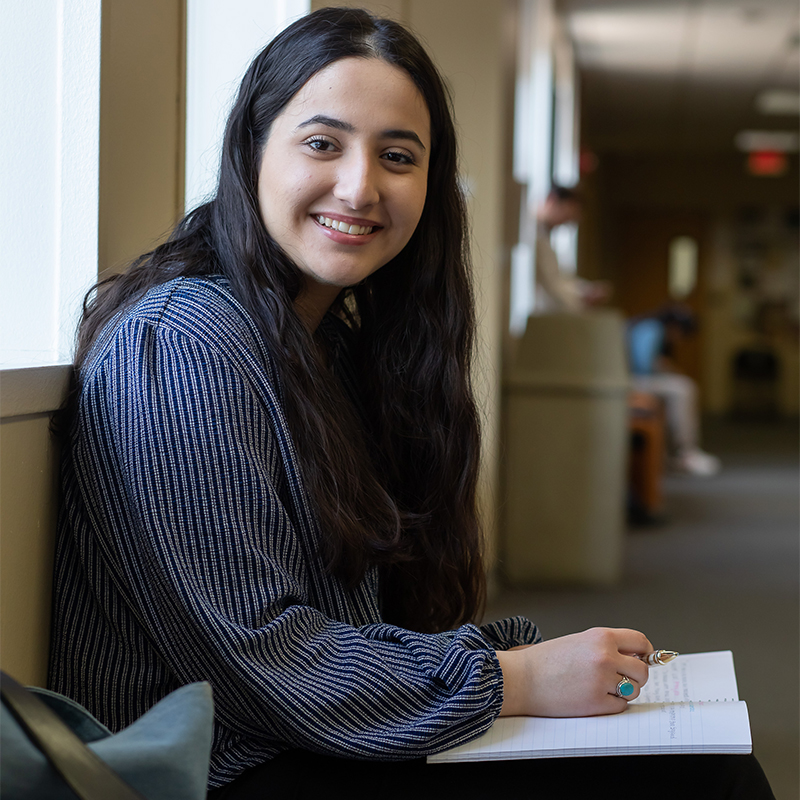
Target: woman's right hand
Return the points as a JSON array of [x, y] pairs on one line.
[[575, 675]]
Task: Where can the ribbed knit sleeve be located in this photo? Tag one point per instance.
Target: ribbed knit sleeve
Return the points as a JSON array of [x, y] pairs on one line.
[[188, 551]]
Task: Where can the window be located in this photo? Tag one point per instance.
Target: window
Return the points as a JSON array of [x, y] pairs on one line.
[[49, 140], [221, 40], [49, 155], [546, 144], [533, 126], [566, 140]]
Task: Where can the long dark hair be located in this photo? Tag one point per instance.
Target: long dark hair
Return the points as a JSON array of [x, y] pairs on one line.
[[400, 495]]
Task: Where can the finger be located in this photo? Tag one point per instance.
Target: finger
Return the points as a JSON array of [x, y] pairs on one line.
[[632, 642], [635, 669], [611, 704], [616, 704]]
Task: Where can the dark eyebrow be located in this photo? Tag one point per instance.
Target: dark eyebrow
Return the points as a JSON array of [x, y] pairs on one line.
[[330, 122], [403, 134], [341, 125]]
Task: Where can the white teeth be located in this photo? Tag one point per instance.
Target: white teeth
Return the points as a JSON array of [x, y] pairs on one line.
[[344, 227]]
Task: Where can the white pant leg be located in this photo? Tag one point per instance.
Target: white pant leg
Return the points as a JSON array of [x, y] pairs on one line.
[[679, 395]]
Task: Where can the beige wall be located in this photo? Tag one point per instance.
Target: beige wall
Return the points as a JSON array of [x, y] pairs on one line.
[[28, 462], [465, 37], [141, 126]]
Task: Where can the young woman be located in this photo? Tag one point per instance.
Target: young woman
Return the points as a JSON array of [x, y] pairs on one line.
[[269, 478]]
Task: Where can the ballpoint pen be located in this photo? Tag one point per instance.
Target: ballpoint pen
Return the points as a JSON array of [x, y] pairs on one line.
[[659, 657]]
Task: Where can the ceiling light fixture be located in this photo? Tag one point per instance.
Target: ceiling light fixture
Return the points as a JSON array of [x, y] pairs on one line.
[[778, 101], [770, 141]]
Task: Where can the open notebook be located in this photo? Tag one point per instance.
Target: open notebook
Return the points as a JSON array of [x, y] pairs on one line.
[[691, 705]]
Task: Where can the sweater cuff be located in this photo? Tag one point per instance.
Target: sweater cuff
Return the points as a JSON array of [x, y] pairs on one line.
[[512, 632]]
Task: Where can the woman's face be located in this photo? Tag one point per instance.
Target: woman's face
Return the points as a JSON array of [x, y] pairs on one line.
[[344, 175]]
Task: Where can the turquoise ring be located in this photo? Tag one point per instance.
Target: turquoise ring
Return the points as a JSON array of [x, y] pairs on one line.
[[625, 688]]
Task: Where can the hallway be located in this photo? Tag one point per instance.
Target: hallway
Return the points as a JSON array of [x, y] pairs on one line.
[[720, 574]]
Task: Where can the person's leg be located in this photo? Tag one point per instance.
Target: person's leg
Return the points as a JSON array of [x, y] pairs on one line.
[[297, 775], [680, 405], [679, 395]]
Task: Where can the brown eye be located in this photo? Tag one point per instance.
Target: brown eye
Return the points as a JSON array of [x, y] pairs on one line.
[[399, 157], [320, 145]]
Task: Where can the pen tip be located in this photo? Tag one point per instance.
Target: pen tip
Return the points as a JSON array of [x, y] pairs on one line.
[[659, 657], [665, 656]]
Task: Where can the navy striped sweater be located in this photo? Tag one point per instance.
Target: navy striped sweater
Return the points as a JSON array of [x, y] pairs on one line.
[[187, 550]]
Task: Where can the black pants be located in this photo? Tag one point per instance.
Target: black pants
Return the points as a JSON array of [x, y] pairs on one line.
[[297, 774]]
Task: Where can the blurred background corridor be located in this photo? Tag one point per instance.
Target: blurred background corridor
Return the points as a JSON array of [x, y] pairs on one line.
[[687, 128]]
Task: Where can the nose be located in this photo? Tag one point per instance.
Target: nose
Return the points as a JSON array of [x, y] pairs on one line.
[[357, 181]]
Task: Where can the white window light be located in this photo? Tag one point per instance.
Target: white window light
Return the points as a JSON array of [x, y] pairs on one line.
[[682, 267], [774, 141], [533, 105], [533, 124], [222, 39], [49, 168], [782, 102], [566, 143]]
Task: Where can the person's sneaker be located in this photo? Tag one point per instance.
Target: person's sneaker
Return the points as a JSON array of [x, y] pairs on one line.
[[697, 462]]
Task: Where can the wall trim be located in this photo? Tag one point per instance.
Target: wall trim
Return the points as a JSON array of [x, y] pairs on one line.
[[33, 390]]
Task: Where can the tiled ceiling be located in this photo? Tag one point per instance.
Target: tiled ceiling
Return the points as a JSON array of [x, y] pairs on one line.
[[682, 75]]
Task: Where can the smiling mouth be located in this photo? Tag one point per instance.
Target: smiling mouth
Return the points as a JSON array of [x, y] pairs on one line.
[[346, 227]]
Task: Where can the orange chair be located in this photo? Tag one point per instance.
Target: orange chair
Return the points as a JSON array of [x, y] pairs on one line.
[[647, 454]]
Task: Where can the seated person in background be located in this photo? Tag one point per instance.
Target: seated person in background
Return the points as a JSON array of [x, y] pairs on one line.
[[650, 342], [557, 290]]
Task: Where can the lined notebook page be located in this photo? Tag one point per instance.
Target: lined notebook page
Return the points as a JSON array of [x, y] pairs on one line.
[[698, 676], [704, 720]]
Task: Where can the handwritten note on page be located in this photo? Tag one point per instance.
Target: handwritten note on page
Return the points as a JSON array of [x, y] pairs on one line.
[[700, 676]]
